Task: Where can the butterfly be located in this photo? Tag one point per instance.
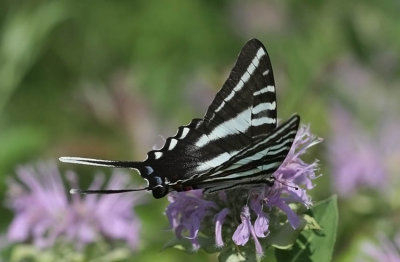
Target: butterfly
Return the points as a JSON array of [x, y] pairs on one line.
[[237, 143]]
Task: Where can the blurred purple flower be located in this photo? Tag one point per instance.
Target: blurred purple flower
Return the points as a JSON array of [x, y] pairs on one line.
[[361, 157], [194, 212], [45, 213], [387, 250]]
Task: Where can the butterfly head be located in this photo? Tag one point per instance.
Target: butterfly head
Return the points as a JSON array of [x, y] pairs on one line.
[[157, 184]]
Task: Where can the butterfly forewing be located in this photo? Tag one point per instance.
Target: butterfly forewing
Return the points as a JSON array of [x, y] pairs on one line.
[[243, 109], [246, 103]]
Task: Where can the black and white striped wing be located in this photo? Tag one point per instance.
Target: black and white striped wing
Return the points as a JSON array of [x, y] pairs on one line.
[[237, 143], [247, 97], [254, 164], [242, 110]]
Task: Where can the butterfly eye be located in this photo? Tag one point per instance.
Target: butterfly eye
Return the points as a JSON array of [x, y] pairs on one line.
[[157, 186], [159, 191]]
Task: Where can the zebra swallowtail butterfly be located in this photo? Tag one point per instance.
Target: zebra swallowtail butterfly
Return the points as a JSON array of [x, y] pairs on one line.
[[237, 143]]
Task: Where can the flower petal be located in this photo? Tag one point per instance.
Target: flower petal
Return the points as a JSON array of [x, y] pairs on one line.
[[242, 232], [219, 220], [294, 220], [261, 226]]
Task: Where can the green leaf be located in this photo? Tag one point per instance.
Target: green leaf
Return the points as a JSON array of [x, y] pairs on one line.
[[315, 245], [284, 237]]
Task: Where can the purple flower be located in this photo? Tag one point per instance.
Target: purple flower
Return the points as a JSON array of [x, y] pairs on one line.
[[364, 145], [262, 221], [237, 215], [387, 250], [361, 157], [45, 213], [219, 220], [185, 213], [244, 230]]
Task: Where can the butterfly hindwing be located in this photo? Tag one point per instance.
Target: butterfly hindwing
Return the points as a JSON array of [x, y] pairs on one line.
[[254, 163], [266, 147]]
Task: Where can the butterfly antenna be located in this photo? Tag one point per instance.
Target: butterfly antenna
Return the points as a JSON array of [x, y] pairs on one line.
[[104, 191]]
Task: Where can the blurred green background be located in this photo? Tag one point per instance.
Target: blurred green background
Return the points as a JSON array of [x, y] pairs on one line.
[[106, 78]]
